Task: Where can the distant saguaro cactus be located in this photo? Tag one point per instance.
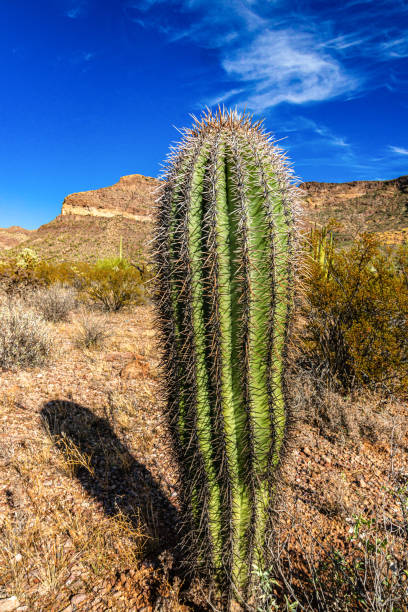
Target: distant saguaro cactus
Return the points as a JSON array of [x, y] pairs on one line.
[[224, 252]]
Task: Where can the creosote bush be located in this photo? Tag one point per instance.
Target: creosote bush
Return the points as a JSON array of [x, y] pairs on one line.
[[109, 283], [112, 284], [25, 338], [355, 327]]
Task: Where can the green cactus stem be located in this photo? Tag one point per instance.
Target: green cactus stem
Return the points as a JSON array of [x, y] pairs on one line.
[[224, 250]]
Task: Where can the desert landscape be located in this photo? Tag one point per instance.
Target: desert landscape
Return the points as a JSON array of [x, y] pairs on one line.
[[89, 493], [204, 306]]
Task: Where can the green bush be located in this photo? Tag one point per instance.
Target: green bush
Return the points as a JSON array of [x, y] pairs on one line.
[[355, 316], [112, 283]]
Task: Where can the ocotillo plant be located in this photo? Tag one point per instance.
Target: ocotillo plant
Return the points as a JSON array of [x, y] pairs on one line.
[[224, 249]]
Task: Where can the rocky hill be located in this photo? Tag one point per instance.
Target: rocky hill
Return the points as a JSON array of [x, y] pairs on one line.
[[131, 198], [372, 206], [92, 223], [12, 236]]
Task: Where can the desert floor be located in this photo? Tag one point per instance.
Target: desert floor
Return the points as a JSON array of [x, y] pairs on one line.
[[88, 490]]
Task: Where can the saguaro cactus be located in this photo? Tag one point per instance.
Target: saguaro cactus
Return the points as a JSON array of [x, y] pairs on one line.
[[224, 255]]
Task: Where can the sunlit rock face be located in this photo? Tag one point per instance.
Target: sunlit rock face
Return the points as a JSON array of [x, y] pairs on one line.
[[131, 197]]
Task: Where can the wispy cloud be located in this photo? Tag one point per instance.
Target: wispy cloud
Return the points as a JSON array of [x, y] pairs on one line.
[[398, 150], [396, 48], [284, 66], [304, 132], [274, 53]]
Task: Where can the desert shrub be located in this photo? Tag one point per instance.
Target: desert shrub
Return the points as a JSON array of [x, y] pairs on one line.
[[25, 338], [92, 332], [112, 283], [55, 302], [51, 272], [335, 417], [27, 258], [355, 316], [16, 279], [28, 272]]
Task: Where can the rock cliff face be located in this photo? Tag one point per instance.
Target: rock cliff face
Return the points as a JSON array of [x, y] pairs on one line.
[[323, 194], [132, 198], [360, 206], [374, 206]]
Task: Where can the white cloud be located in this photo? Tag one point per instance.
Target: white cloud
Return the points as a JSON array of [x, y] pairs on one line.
[[398, 150], [275, 52], [396, 48], [223, 97], [330, 138], [285, 66]]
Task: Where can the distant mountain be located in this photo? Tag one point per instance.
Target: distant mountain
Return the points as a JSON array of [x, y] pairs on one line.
[[371, 206], [92, 223], [12, 236], [132, 197]]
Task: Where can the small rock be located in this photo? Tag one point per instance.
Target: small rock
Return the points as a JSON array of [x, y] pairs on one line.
[[306, 450], [10, 604], [78, 599], [78, 584], [18, 558]]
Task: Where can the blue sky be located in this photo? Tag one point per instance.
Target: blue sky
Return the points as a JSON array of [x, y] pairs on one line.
[[93, 89]]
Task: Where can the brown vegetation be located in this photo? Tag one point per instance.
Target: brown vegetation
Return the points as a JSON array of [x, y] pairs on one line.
[[89, 494]]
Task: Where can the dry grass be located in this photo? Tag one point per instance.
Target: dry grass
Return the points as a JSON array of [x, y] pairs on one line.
[[25, 338], [85, 480], [54, 303], [91, 330], [88, 493], [347, 419]]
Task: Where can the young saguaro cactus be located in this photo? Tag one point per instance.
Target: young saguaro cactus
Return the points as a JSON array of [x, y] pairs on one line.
[[224, 248]]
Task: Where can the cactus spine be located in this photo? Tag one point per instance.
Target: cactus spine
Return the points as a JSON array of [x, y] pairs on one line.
[[224, 255]]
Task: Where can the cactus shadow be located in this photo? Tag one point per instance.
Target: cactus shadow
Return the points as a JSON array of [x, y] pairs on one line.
[[108, 471]]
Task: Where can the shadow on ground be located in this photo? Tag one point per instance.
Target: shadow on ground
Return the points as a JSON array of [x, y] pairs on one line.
[[111, 474]]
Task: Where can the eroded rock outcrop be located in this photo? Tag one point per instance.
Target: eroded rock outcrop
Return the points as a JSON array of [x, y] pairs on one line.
[[132, 197], [323, 194]]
